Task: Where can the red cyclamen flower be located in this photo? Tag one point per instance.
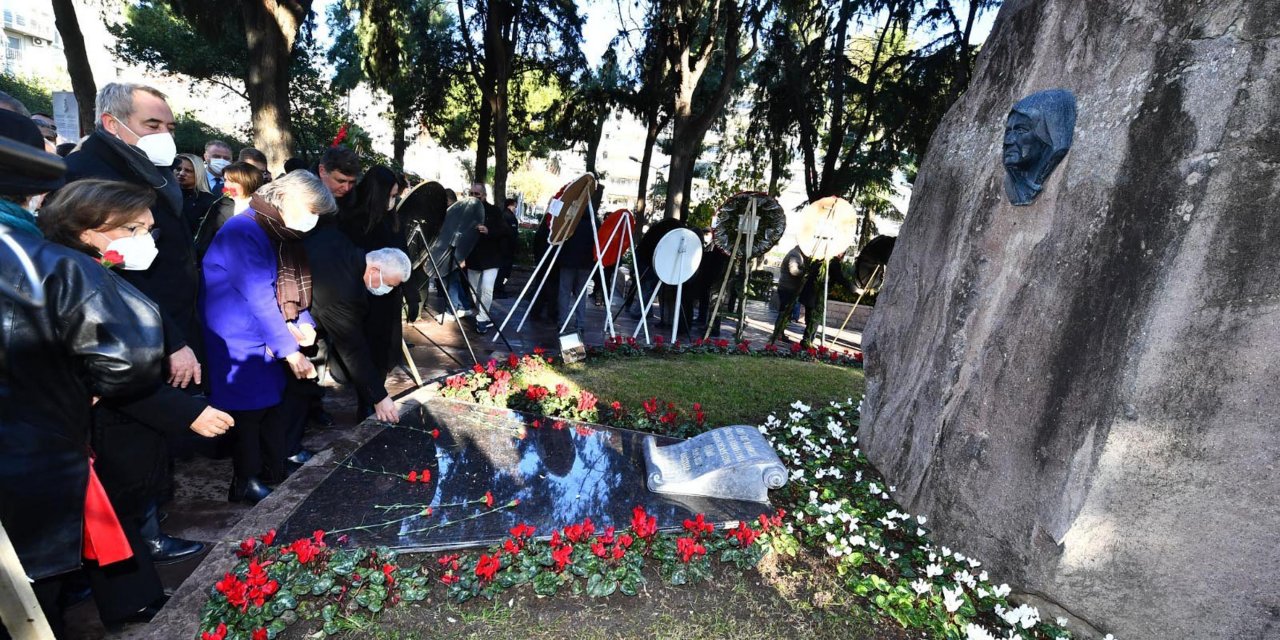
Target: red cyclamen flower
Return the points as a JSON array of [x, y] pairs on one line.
[[488, 566]]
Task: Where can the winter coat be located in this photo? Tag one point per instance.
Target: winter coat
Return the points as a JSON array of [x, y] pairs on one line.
[[172, 281], [96, 336]]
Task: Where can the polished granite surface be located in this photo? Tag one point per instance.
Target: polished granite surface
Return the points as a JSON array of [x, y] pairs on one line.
[[549, 474]]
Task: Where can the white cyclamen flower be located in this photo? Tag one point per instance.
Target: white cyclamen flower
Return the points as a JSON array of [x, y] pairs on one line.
[[951, 599], [933, 571], [921, 587], [975, 632]]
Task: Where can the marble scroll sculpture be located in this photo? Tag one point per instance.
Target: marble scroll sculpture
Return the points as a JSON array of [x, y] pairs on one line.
[[729, 462]]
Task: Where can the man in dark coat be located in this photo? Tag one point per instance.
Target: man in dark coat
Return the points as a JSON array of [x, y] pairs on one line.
[[343, 277], [134, 143], [95, 336]]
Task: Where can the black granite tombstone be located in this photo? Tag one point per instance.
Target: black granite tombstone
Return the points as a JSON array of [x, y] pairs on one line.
[[544, 472]]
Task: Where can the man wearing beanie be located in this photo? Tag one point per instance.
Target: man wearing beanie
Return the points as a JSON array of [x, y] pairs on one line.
[[94, 336]]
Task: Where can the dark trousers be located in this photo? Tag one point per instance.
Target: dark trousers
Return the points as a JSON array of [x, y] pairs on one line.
[[261, 436], [123, 588], [293, 409], [132, 463]]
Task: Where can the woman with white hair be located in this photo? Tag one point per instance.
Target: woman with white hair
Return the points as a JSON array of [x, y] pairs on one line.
[[257, 290]]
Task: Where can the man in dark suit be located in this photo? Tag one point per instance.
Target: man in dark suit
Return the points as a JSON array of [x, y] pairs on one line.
[[133, 142], [343, 277]]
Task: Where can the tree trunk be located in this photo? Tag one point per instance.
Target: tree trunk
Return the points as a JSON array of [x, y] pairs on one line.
[[270, 28], [776, 165], [682, 159], [650, 139], [501, 133], [398, 134], [688, 73], [593, 143], [64, 17], [484, 133], [835, 138]]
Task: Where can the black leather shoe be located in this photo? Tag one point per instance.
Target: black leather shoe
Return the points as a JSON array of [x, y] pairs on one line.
[[143, 616], [166, 548], [250, 490], [301, 457]]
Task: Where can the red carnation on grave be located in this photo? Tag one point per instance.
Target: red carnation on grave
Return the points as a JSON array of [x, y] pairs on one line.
[[342, 135], [413, 476], [488, 499], [111, 258], [435, 433], [488, 566]]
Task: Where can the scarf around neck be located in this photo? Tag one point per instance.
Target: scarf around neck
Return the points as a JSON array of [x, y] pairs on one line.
[[293, 273], [17, 218]]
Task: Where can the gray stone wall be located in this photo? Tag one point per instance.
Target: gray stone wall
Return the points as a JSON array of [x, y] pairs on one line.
[[1085, 392]]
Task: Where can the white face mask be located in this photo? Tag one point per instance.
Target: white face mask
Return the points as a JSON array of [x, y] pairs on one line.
[[307, 223], [216, 165], [159, 147], [138, 251], [382, 289]]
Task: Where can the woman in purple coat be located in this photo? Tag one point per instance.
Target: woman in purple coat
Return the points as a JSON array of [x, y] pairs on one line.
[[257, 288]]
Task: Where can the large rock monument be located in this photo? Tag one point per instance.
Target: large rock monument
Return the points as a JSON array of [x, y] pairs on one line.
[[1085, 390]]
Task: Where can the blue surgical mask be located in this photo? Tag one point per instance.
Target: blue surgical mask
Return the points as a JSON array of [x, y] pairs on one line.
[[382, 289]]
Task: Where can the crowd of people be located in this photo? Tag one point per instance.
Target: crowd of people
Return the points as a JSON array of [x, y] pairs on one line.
[[189, 302]]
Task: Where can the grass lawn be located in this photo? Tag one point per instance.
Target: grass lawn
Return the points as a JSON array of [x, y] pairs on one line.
[[732, 390]]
